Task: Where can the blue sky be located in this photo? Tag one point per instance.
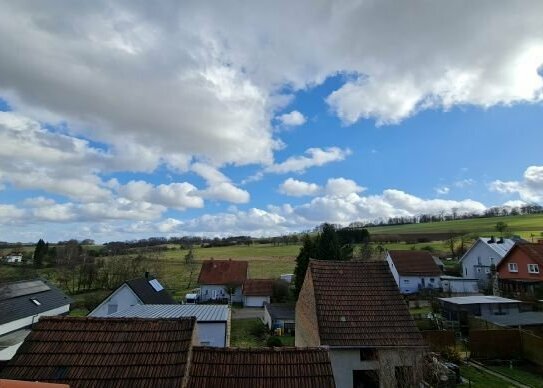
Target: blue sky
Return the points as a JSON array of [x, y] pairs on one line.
[[124, 121]]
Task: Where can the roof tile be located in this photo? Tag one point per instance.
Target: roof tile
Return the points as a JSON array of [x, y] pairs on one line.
[[223, 272], [414, 263]]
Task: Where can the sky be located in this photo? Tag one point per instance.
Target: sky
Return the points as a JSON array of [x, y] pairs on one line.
[[122, 120]]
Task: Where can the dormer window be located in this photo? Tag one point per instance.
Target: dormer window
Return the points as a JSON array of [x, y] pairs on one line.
[[513, 267]]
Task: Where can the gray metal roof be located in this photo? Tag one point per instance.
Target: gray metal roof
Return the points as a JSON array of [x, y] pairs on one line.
[[48, 297], [202, 312], [478, 299], [280, 311], [521, 319], [500, 248]]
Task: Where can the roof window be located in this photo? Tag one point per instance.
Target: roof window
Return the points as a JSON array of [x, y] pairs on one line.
[[156, 285], [35, 301]]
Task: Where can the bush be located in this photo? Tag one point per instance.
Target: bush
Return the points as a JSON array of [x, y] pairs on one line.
[[258, 330], [274, 342]]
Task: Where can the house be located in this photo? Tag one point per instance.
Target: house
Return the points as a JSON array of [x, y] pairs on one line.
[[476, 262], [105, 352], [218, 276], [521, 270], [212, 321], [268, 367], [356, 310], [280, 315], [145, 290], [257, 292], [414, 271], [14, 257], [21, 304]]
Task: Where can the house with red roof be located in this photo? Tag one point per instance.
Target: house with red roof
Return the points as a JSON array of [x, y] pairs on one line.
[[521, 271], [414, 271], [220, 277], [257, 292]]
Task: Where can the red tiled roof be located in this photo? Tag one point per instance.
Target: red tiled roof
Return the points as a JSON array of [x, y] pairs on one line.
[[359, 304], [258, 287], [260, 368], [104, 352], [417, 263], [533, 251], [223, 272]]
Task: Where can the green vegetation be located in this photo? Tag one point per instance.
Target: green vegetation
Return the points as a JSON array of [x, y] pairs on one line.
[[248, 333], [523, 225], [480, 379], [520, 374]]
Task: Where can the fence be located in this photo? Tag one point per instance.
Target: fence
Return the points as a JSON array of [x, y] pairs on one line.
[[439, 340]]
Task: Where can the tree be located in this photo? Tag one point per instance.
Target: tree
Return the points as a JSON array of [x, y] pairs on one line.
[[451, 243], [230, 289], [189, 257], [307, 251], [39, 253], [501, 227], [328, 247]]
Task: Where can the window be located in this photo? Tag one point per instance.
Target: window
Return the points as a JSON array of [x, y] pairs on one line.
[[513, 267], [156, 285], [487, 270], [38, 303], [406, 280], [533, 268], [431, 280], [478, 270], [368, 354]]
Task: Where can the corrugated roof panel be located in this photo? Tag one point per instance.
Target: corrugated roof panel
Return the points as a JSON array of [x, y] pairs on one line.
[[202, 312]]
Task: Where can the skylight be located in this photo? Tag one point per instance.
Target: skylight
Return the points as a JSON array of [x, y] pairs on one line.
[[156, 285], [35, 301]]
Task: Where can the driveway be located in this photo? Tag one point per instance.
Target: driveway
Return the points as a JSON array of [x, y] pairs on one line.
[[248, 313]]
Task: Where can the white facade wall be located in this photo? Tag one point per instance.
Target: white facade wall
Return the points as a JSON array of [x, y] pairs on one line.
[[412, 284], [217, 291], [28, 321], [476, 262], [460, 286], [212, 334], [14, 259], [345, 361], [255, 301], [122, 298]]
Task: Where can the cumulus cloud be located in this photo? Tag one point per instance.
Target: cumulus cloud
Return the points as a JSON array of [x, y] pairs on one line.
[[175, 195], [292, 119], [296, 188], [341, 187], [315, 157], [529, 189], [220, 186]]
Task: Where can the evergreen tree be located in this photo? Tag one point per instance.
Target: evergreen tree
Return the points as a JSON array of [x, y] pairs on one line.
[[39, 253], [328, 247], [307, 251]]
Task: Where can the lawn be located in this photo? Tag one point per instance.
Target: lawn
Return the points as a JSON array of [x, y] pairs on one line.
[[481, 379], [520, 374], [248, 333], [524, 225]]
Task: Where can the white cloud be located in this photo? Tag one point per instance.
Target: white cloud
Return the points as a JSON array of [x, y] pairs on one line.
[[292, 119], [529, 189], [316, 157], [442, 190], [296, 188], [220, 187], [341, 187], [174, 195]]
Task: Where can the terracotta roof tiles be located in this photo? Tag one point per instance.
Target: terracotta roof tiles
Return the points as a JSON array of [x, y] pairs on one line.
[[104, 352], [359, 304], [260, 368], [414, 263], [223, 272], [258, 287]]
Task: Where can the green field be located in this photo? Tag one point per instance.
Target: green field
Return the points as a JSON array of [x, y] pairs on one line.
[[523, 225]]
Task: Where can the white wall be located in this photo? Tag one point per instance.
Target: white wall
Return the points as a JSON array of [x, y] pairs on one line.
[[27, 321], [206, 293], [393, 269], [123, 297], [479, 253], [463, 286], [345, 361], [255, 301], [412, 284], [267, 319], [212, 332]]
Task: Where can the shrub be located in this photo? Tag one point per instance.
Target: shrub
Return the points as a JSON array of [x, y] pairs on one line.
[[274, 342]]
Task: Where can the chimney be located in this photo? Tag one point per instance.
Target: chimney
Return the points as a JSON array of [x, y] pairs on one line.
[[500, 241], [492, 240], [146, 274]]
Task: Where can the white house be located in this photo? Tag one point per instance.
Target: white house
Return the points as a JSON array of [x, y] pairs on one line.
[[21, 305], [476, 262], [414, 271], [13, 258], [257, 292], [218, 276], [134, 292], [212, 321]]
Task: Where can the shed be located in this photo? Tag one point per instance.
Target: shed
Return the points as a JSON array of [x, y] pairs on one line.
[[280, 315], [212, 321], [458, 285], [257, 292]]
